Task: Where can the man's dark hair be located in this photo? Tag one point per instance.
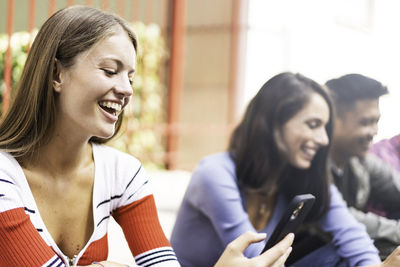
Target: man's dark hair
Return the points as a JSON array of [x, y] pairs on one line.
[[348, 89]]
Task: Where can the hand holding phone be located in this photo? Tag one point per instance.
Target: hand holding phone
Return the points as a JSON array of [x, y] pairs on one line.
[[291, 219]]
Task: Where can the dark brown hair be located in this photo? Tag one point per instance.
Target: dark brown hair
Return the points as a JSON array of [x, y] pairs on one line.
[[253, 145]]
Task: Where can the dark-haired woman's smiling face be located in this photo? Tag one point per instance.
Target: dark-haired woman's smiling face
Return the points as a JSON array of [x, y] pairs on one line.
[[305, 132]]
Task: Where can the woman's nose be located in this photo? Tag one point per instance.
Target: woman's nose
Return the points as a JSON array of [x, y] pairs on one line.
[[124, 87], [322, 137]]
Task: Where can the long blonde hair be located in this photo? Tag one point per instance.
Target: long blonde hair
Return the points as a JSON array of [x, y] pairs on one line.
[[29, 123]]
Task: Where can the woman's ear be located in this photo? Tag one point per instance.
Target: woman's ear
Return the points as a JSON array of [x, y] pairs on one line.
[[57, 81]]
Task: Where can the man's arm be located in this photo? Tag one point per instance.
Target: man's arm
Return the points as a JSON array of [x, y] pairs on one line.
[[377, 226], [385, 191], [385, 184]]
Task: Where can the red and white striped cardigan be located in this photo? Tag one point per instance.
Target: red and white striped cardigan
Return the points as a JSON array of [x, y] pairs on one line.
[[120, 190]]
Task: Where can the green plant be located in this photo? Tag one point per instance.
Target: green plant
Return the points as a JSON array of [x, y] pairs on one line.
[[19, 42]]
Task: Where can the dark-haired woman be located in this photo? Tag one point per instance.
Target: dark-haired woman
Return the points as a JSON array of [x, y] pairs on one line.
[[278, 150]]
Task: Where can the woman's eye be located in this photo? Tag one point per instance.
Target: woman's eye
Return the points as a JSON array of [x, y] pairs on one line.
[[109, 72], [313, 124]]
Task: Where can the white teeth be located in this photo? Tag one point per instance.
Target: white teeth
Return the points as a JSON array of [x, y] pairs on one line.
[[309, 151], [108, 104]]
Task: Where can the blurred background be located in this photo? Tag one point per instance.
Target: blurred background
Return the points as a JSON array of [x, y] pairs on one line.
[[201, 61]]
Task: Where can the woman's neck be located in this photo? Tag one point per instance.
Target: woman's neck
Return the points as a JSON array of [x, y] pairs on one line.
[[260, 207], [61, 155]]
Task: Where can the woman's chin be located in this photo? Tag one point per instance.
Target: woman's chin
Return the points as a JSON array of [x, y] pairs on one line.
[[105, 135], [302, 164]]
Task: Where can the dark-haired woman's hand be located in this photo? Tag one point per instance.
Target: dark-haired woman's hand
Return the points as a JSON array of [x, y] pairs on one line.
[[274, 257]]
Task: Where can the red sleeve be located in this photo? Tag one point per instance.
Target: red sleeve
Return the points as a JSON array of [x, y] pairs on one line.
[[21, 244], [141, 226]]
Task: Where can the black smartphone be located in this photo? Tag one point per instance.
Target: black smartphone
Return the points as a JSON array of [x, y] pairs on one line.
[[291, 219]]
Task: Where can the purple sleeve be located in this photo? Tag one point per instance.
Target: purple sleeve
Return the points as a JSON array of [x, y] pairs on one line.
[[349, 236], [216, 193]]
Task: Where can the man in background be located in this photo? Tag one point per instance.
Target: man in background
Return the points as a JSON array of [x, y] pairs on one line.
[[369, 186]]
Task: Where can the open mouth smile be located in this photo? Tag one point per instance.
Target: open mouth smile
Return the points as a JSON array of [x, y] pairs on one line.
[[309, 153], [110, 107]]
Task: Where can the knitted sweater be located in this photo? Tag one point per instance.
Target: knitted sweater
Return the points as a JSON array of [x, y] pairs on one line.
[[120, 190]]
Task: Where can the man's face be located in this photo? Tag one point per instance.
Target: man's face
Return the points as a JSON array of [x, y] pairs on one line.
[[356, 127]]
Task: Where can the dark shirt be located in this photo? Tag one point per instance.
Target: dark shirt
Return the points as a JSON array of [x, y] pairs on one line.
[[346, 186]]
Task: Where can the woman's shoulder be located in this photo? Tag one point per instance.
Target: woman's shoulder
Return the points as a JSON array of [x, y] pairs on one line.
[[215, 169], [119, 171], [218, 160], [117, 164], [115, 156], [7, 161], [4, 155], [9, 167]]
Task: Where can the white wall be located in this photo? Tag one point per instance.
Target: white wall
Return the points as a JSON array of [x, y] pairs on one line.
[[324, 39]]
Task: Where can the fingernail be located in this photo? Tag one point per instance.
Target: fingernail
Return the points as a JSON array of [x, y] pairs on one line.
[[264, 235], [291, 236]]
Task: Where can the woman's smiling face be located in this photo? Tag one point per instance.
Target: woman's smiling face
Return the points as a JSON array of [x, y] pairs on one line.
[[95, 89], [305, 133]]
